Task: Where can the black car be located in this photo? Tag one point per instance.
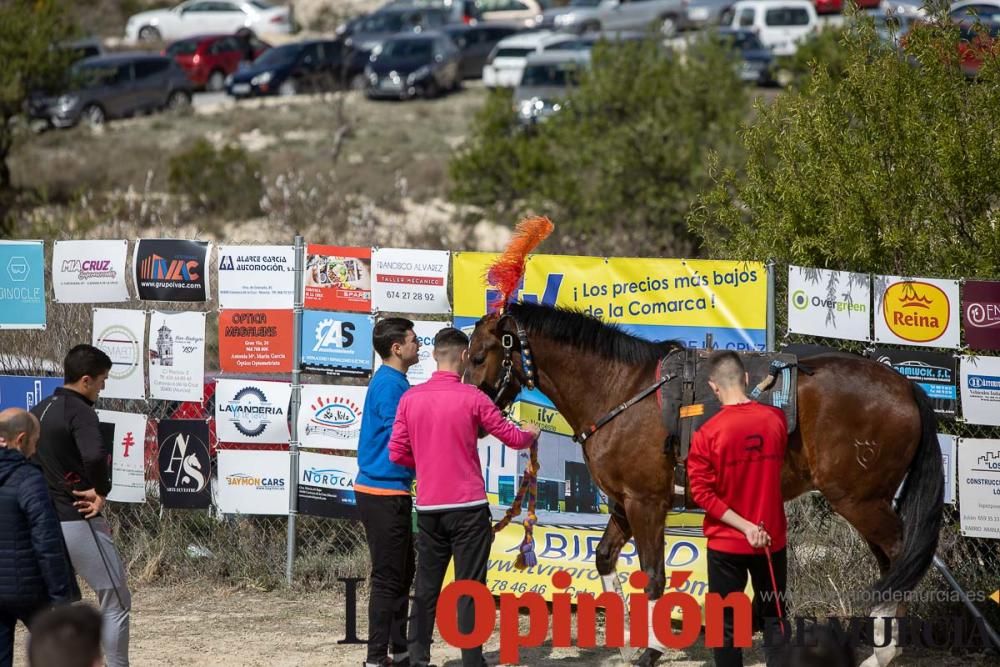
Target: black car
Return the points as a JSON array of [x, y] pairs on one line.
[[409, 65], [114, 86], [303, 67], [476, 42], [393, 20], [755, 60]]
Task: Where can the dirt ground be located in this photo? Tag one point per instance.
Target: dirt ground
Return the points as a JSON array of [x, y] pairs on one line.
[[206, 626]]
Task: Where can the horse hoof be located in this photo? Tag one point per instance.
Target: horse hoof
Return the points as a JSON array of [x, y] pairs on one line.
[[648, 658]]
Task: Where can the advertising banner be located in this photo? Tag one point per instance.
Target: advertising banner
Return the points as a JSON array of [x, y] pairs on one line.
[[260, 276], [252, 411], [256, 341], [978, 482], [89, 271], [128, 475], [947, 443], [410, 281], [338, 278], [656, 299], [171, 270], [121, 333], [184, 466], [177, 356], [425, 332], [981, 314], [979, 382], [326, 485], [22, 285], [832, 304], [253, 482], [917, 311], [936, 374], [338, 342], [26, 391], [330, 416]]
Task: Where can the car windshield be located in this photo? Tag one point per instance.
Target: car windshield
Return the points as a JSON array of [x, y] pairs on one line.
[[382, 23], [281, 55], [407, 48], [558, 74], [183, 48], [91, 75], [512, 52]]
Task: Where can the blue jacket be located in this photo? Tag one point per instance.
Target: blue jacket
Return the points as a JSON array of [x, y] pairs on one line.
[[33, 566], [374, 467]]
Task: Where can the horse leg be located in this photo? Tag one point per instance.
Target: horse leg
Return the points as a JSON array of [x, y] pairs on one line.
[[647, 516], [883, 531], [616, 534]]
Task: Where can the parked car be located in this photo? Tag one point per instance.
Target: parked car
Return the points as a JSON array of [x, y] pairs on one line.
[[577, 16], [547, 81], [196, 17], [755, 60], [379, 26], [300, 67], [209, 59], [837, 6], [977, 43], [409, 65], [705, 13], [115, 86], [459, 11], [780, 24], [667, 16], [968, 11], [524, 12], [476, 42], [505, 64]]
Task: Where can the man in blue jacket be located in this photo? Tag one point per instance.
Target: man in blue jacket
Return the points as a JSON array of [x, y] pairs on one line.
[[382, 489], [34, 572]]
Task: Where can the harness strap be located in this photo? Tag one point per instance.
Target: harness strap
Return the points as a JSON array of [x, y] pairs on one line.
[[582, 437]]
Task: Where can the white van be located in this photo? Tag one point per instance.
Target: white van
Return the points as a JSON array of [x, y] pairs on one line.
[[506, 63], [781, 25]]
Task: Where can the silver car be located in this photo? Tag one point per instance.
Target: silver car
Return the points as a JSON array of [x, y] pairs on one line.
[[667, 16], [547, 81], [578, 16]]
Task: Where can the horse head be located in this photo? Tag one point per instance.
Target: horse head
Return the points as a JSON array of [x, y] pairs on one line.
[[496, 359]]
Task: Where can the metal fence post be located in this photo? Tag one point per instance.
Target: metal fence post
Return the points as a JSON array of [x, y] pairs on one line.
[[772, 294], [293, 443]]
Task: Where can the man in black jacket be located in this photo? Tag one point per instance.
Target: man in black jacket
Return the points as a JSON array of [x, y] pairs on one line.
[[73, 456], [34, 572]]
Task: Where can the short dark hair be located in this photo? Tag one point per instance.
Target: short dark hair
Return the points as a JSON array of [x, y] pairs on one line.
[[85, 360], [388, 332], [725, 368], [450, 338], [65, 636]]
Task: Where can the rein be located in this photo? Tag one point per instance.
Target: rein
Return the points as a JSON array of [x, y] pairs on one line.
[[582, 436]]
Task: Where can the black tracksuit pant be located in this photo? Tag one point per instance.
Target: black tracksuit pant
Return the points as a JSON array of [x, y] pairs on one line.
[[389, 531], [727, 573], [467, 535]]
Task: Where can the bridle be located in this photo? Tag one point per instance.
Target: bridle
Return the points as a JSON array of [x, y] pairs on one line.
[[507, 364]]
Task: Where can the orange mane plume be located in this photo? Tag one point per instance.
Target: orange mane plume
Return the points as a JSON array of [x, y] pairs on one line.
[[506, 272]]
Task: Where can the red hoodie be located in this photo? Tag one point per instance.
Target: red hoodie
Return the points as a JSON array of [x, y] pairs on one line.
[[735, 463]]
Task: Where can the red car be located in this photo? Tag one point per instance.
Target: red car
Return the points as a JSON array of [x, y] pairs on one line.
[[209, 59], [837, 6], [977, 44]]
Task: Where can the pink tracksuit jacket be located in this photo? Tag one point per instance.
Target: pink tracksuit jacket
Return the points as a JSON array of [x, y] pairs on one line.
[[435, 432]]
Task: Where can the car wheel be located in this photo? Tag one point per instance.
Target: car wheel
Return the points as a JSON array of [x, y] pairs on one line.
[[216, 81], [178, 100], [358, 82], [148, 33], [287, 87], [431, 89], [94, 115], [668, 27]]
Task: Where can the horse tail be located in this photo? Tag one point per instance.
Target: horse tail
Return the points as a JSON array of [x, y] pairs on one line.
[[920, 506]]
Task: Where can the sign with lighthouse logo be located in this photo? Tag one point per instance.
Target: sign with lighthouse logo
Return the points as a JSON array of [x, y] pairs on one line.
[[917, 311], [330, 417]]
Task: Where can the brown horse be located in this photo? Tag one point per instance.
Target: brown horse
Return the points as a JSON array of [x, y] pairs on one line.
[[862, 428]]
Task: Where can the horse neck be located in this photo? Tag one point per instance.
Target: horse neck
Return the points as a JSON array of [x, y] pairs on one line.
[[581, 384]]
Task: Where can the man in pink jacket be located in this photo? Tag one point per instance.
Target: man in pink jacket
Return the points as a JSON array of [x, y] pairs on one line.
[[436, 429]]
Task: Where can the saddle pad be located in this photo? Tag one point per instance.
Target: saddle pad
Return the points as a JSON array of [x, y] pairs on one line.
[[690, 365]]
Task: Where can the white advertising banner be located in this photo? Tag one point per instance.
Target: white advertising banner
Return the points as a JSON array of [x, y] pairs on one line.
[[177, 356], [979, 384], [252, 411], [330, 417], [947, 443], [979, 487], [256, 276], [120, 333], [410, 281], [834, 304], [421, 371], [89, 271], [128, 476], [917, 311], [253, 482]]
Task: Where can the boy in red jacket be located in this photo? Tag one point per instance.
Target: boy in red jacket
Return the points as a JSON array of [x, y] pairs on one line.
[[734, 468]]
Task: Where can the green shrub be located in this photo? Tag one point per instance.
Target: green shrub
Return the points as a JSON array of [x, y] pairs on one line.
[[224, 181]]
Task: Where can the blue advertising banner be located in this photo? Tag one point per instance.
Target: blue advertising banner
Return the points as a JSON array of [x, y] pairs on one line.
[[337, 342], [22, 285], [20, 391]]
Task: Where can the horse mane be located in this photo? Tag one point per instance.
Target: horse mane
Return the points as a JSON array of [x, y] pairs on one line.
[[575, 328]]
